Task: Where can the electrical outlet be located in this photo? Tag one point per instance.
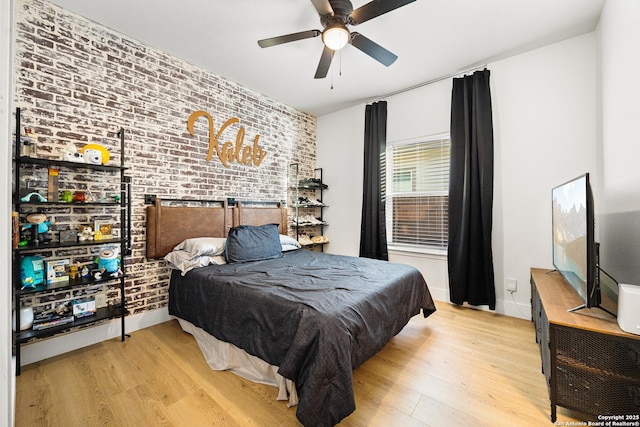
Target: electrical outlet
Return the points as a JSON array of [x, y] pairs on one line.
[[512, 285], [101, 300]]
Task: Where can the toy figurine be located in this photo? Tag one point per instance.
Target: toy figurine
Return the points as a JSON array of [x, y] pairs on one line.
[[66, 196], [79, 197], [84, 273], [39, 228], [73, 272]]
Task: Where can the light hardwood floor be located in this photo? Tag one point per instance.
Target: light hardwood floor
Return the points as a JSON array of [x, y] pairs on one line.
[[459, 367]]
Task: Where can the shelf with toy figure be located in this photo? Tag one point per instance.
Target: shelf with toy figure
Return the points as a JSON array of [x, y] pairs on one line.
[[64, 163], [72, 204], [104, 313], [105, 268], [71, 283], [57, 245]]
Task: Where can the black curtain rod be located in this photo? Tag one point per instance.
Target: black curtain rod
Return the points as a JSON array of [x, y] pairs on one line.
[[432, 81]]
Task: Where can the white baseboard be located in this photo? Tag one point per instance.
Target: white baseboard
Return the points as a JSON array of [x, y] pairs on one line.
[[505, 307], [514, 309], [61, 344], [439, 294]]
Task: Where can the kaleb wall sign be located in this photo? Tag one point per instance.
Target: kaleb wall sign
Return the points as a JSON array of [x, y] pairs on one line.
[[229, 152]]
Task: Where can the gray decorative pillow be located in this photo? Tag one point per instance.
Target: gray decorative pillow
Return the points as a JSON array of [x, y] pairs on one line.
[[253, 243]]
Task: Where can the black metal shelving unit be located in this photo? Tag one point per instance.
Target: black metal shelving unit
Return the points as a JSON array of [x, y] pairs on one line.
[[123, 209], [315, 187]]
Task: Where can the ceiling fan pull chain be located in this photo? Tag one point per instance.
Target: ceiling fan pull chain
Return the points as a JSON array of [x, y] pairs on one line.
[[340, 68]]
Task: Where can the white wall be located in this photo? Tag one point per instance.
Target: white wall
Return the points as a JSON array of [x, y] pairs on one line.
[[619, 221], [7, 379], [340, 154], [544, 109]]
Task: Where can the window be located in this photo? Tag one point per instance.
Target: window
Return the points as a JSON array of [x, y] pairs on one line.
[[417, 193]]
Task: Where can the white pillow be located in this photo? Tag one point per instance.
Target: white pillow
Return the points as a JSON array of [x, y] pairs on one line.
[[183, 261], [199, 246], [289, 243]]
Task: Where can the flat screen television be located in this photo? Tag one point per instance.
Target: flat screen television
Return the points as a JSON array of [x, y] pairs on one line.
[[575, 251]]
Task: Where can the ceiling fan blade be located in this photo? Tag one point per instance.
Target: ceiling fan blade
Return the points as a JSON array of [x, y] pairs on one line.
[[374, 9], [324, 64], [273, 41], [323, 7], [372, 49]]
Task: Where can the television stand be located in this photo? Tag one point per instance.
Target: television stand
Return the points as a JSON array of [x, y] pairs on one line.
[[590, 364]]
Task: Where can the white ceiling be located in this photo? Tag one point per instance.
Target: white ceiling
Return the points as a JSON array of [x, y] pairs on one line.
[[432, 38]]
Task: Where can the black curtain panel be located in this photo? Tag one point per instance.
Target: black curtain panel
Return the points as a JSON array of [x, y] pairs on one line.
[[470, 255], [373, 234]]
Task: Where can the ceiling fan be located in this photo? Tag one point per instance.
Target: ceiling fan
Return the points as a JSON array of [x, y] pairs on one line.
[[335, 16]]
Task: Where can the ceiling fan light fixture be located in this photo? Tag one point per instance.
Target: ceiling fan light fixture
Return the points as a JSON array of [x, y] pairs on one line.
[[336, 36]]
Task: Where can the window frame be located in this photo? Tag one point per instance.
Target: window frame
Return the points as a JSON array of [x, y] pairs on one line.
[[389, 195]]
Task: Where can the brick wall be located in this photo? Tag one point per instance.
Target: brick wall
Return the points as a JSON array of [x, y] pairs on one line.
[[80, 82]]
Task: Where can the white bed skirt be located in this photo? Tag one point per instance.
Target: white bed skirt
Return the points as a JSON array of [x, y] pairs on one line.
[[223, 356]]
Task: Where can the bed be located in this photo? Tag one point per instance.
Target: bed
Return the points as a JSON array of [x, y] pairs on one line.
[[306, 318]]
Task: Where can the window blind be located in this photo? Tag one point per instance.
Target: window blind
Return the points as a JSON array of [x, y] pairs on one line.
[[418, 193]]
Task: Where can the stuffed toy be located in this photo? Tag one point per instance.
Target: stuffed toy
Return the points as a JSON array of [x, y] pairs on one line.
[[108, 262], [86, 233]]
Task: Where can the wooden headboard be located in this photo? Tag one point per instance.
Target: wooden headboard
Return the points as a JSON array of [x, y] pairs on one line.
[[169, 225], [246, 214]]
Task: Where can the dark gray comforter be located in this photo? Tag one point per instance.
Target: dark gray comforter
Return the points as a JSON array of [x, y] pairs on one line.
[[317, 316]]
